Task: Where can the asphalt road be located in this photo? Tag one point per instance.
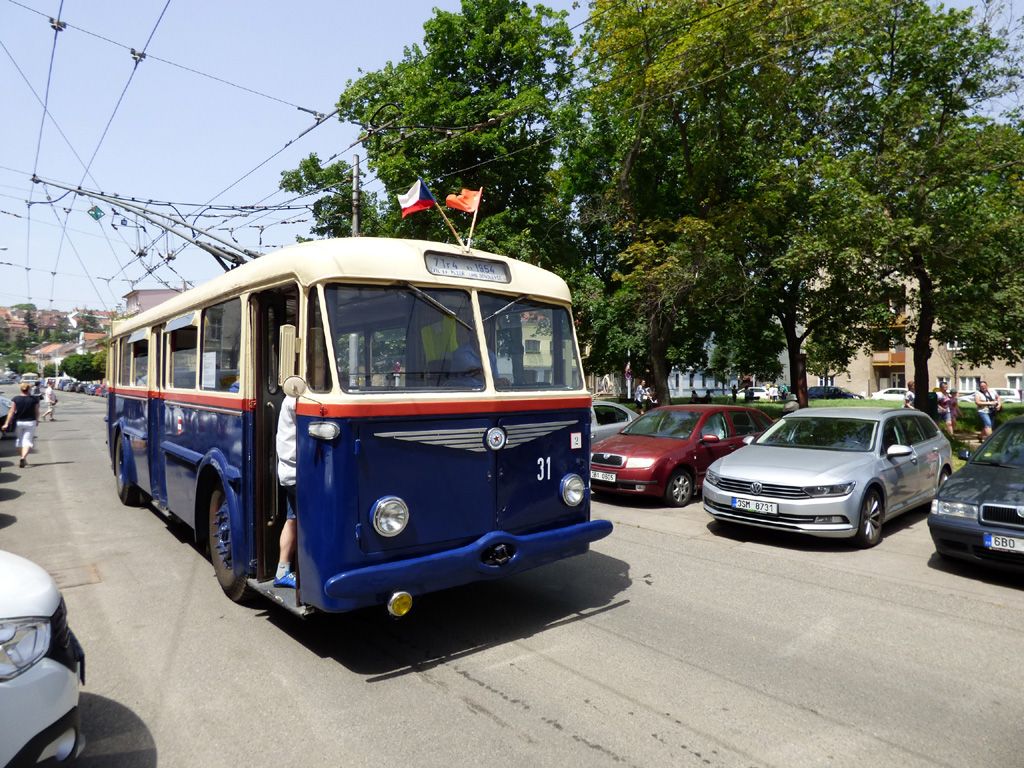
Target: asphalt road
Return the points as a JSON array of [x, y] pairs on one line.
[[675, 642]]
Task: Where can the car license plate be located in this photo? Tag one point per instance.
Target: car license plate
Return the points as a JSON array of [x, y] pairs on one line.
[[1004, 543], [761, 507], [608, 477]]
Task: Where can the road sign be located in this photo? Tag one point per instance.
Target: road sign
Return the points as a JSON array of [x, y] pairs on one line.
[[96, 212]]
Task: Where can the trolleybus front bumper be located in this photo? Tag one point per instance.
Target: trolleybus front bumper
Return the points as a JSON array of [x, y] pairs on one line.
[[494, 555]]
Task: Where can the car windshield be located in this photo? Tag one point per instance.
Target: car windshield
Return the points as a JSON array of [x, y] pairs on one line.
[[829, 434], [1006, 447], [665, 423]]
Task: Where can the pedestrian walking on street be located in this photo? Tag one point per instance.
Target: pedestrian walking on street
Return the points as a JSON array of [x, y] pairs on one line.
[[50, 398], [989, 404], [24, 416]]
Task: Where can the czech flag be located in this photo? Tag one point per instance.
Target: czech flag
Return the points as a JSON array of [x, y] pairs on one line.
[[416, 199], [467, 200]]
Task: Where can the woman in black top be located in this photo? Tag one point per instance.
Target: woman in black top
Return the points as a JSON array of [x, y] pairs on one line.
[[24, 414]]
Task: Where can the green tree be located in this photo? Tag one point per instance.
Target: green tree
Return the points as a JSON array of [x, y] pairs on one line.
[[942, 177], [470, 108]]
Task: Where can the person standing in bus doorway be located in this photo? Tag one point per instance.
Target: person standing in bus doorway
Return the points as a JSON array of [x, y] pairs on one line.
[[286, 429], [24, 414]]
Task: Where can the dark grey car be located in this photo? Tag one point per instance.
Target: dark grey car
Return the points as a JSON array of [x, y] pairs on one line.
[[978, 515]]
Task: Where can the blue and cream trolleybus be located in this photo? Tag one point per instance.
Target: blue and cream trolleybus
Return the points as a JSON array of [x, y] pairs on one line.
[[443, 424]]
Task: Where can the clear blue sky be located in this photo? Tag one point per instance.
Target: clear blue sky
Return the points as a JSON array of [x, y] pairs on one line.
[[217, 95]]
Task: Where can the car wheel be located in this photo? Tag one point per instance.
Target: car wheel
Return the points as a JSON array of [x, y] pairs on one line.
[[943, 476], [679, 489], [872, 513], [129, 494], [219, 543]]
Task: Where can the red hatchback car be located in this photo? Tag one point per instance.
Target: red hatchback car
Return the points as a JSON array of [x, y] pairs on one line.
[[666, 452]]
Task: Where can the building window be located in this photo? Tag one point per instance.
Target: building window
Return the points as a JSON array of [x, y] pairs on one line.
[[1014, 381], [532, 346], [968, 383]]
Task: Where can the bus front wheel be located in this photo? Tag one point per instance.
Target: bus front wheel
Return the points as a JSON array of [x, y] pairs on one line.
[[219, 543], [128, 493]]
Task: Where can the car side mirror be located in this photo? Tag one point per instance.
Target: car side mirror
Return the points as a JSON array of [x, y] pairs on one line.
[[899, 451], [709, 437], [749, 439], [963, 454]]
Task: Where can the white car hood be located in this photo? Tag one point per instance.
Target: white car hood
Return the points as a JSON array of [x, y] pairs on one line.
[[792, 466], [25, 588]]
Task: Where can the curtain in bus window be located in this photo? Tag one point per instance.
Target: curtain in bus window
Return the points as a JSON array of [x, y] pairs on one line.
[[403, 338], [318, 374], [222, 343], [183, 358], [532, 343]]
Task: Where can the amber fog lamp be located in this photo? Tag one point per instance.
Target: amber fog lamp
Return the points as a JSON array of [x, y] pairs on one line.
[[400, 604]]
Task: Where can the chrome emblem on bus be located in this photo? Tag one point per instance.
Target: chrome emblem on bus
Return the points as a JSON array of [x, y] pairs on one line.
[[495, 438], [475, 439]]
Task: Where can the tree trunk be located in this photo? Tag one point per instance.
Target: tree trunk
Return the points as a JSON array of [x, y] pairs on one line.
[[925, 324], [661, 332]]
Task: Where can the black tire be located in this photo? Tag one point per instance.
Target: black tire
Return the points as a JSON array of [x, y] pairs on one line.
[[679, 488], [129, 494], [943, 477], [869, 525], [219, 546]]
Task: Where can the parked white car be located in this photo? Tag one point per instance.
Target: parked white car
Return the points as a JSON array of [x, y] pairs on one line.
[[892, 393], [41, 666], [1007, 395]]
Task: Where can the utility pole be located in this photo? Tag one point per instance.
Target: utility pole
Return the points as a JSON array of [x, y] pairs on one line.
[[355, 196]]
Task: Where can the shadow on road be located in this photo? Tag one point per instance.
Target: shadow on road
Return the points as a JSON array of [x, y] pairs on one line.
[[6, 520], [115, 737], [976, 571], [446, 626]]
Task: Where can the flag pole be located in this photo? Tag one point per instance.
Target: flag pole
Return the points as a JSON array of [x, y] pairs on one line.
[[472, 226], [440, 210]]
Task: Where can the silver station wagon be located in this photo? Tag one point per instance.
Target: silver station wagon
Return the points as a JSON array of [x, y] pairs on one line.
[[832, 472]]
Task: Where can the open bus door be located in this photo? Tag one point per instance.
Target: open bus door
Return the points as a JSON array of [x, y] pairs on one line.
[[269, 311]]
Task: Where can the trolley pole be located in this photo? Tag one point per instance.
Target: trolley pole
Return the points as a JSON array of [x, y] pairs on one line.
[[355, 196]]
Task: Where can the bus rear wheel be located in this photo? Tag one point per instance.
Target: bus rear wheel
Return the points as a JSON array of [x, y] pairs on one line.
[[128, 493], [219, 544]]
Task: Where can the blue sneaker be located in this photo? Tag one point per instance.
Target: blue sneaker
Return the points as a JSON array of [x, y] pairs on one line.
[[288, 580]]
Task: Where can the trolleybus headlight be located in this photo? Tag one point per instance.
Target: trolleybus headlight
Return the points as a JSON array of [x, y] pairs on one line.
[[573, 490], [390, 516], [324, 430]]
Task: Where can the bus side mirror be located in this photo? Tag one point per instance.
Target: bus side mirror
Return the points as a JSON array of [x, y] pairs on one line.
[[294, 386], [286, 353]]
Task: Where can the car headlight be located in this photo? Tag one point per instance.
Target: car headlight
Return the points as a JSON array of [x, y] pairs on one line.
[[573, 490], [23, 642], [639, 463], [390, 516], [955, 509], [711, 478], [840, 489]]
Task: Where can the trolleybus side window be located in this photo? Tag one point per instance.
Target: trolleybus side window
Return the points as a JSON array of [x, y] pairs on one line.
[[402, 337], [182, 357], [222, 344], [532, 343], [319, 373], [140, 363], [124, 369]]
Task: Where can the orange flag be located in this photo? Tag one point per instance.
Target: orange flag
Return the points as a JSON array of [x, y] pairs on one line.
[[467, 200]]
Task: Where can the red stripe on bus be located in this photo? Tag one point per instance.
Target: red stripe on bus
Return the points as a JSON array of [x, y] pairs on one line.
[[355, 410], [213, 401]]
